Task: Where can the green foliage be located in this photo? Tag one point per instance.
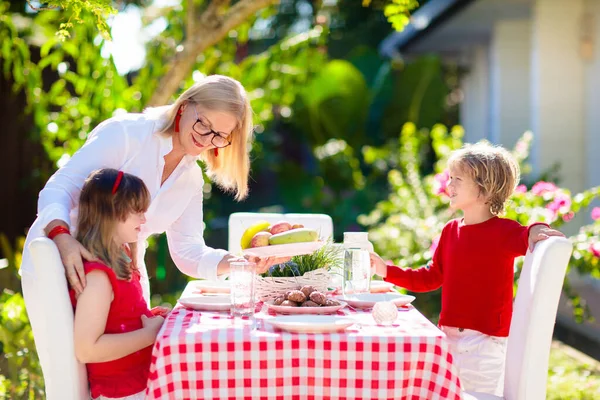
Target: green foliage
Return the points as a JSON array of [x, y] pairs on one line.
[[20, 372], [397, 11], [571, 379], [419, 97], [405, 227], [335, 104], [78, 10], [328, 256]]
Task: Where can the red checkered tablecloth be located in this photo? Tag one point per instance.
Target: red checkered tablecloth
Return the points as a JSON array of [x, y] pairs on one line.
[[206, 355]]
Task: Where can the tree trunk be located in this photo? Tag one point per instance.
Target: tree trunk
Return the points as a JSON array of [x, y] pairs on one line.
[[212, 28]]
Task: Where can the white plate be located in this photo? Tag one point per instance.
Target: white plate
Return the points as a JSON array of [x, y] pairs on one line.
[[381, 286], [285, 250], [368, 300], [212, 286], [206, 303], [310, 323], [304, 310]]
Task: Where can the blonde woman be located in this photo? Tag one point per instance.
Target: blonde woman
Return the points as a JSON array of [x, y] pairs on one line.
[[211, 121]]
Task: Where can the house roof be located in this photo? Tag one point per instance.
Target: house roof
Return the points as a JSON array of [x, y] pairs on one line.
[[423, 21]]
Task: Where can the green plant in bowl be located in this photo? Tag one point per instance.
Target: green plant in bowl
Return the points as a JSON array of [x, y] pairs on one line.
[[329, 256]]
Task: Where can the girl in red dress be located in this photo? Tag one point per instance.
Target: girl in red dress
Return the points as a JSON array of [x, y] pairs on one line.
[[114, 328]]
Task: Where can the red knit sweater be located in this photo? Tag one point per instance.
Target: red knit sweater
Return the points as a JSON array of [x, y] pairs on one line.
[[474, 265]]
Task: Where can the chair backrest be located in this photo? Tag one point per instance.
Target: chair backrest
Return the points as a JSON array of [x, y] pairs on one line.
[[65, 378], [533, 319], [239, 222]]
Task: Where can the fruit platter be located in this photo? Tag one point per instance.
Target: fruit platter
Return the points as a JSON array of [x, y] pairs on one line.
[[281, 239]]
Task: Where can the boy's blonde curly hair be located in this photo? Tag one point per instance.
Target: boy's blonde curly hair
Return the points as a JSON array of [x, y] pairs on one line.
[[493, 168]]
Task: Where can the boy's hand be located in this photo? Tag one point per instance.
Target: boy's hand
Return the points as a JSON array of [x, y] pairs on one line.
[[378, 266], [541, 232]]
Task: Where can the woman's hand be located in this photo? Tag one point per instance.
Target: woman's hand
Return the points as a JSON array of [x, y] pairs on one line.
[[72, 254], [264, 263]]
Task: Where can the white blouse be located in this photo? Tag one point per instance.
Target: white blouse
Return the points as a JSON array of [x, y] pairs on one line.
[[132, 144]]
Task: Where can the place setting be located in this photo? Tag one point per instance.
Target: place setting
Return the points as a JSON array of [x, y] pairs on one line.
[[296, 297]]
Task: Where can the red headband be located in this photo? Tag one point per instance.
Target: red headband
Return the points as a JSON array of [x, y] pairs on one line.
[[117, 182]]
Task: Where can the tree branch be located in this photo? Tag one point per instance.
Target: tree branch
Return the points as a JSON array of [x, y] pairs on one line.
[[212, 29], [191, 19], [34, 8]]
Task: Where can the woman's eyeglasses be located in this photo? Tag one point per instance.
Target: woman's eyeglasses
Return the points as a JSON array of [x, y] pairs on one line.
[[201, 129]]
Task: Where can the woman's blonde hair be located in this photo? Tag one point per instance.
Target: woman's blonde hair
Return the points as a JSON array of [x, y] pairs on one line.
[[99, 211], [493, 169], [230, 170]]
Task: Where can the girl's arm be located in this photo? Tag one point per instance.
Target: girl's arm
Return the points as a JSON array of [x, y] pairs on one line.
[[92, 345]]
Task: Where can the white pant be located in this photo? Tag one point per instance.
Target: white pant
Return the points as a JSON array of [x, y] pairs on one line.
[[138, 396], [479, 358]]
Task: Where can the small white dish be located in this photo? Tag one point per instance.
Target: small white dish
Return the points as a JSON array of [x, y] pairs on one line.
[[285, 250], [381, 287], [310, 323], [304, 310], [206, 303], [368, 300], [211, 286]]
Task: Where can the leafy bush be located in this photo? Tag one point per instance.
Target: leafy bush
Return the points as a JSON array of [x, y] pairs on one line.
[[406, 226], [20, 371]]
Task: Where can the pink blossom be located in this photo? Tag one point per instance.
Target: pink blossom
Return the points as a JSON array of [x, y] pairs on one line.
[[561, 203], [596, 213], [440, 186], [521, 147], [568, 216], [542, 187], [595, 249], [521, 189]]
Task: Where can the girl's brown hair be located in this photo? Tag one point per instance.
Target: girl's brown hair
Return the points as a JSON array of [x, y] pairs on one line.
[[99, 211], [493, 169]]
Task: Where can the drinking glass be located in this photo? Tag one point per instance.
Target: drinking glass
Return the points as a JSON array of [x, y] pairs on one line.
[[241, 275]]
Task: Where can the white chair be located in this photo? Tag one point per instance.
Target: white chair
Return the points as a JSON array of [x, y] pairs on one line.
[[239, 222], [65, 378], [532, 324]]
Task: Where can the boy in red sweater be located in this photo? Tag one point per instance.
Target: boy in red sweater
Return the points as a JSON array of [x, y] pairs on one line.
[[474, 264]]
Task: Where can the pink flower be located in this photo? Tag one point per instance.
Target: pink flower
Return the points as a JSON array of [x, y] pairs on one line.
[[568, 216], [542, 187], [521, 147], [596, 213], [440, 186], [595, 249], [521, 189], [561, 203]]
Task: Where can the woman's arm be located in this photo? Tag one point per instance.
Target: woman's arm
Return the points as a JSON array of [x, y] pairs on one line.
[[92, 345], [187, 247], [107, 146], [191, 254]]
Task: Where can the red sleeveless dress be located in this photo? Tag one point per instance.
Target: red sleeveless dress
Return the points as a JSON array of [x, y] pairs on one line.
[[128, 375]]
